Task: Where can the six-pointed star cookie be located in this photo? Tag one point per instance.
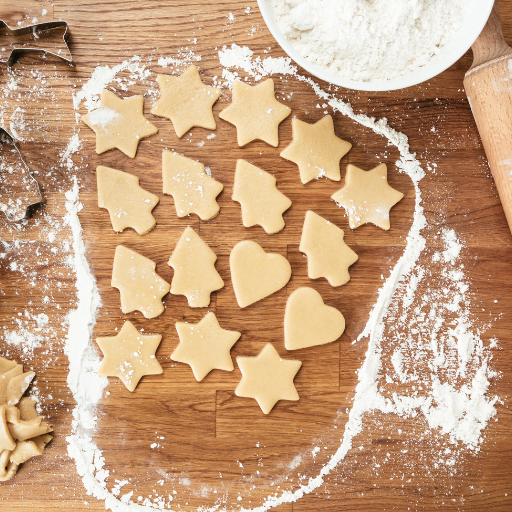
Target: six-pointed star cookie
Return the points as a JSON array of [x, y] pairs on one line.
[[316, 149], [255, 112], [129, 355], [367, 196], [267, 378], [205, 346], [119, 123]]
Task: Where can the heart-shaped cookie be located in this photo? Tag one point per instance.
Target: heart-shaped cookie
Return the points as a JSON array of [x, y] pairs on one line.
[[309, 322], [256, 274]]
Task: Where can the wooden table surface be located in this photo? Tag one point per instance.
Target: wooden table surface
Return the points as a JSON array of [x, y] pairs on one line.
[[213, 438]]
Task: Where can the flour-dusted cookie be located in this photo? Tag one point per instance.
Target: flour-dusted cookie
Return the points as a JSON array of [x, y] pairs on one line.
[[255, 112], [186, 101], [195, 275], [119, 123], [367, 196], [128, 204], [140, 287], [328, 255], [192, 189], [261, 202], [255, 273], [316, 149]]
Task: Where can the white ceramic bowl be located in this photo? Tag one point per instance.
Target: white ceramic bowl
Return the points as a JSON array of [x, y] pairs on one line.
[[474, 21]]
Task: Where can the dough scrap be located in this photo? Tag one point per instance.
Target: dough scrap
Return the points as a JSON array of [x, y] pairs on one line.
[[119, 123], [186, 101], [255, 112], [128, 204], [308, 322], [255, 273], [192, 189], [267, 378], [195, 275], [129, 355], [316, 149], [141, 288], [205, 346], [367, 196], [328, 255]]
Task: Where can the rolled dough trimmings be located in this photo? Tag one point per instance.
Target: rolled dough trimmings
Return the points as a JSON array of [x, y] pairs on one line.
[[255, 112], [119, 123], [140, 287], [316, 149], [255, 273], [261, 202], [128, 204], [195, 275], [192, 189], [186, 101], [129, 355]]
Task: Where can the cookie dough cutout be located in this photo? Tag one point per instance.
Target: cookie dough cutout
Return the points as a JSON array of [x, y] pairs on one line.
[[262, 203], [119, 123], [192, 189], [128, 204], [267, 378], [129, 355], [367, 197], [328, 255], [140, 287], [186, 101], [205, 346], [309, 322], [316, 149], [195, 275], [255, 273], [255, 112]]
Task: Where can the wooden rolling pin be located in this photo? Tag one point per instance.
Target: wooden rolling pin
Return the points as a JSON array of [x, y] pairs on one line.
[[488, 84]]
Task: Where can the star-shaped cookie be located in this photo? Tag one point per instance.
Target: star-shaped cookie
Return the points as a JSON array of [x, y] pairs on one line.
[[367, 196], [267, 378], [205, 346], [129, 355], [316, 149], [186, 101], [119, 123], [255, 112]]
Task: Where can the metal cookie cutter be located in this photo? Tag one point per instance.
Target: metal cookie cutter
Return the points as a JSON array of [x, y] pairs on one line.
[[38, 31], [7, 138]]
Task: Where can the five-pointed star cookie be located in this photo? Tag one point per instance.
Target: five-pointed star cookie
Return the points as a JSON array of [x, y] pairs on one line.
[[316, 149], [367, 196], [255, 112], [119, 123], [267, 378], [129, 355], [186, 101], [205, 346]]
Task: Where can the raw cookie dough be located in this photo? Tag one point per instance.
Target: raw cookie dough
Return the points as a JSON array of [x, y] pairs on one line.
[[140, 287], [255, 273], [119, 123], [267, 378], [316, 149], [367, 196], [309, 322], [255, 112], [261, 202], [128, 204], [195, 275], [186, 101], [192, 189], [129, 355], [328, 255], [205, 346]]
